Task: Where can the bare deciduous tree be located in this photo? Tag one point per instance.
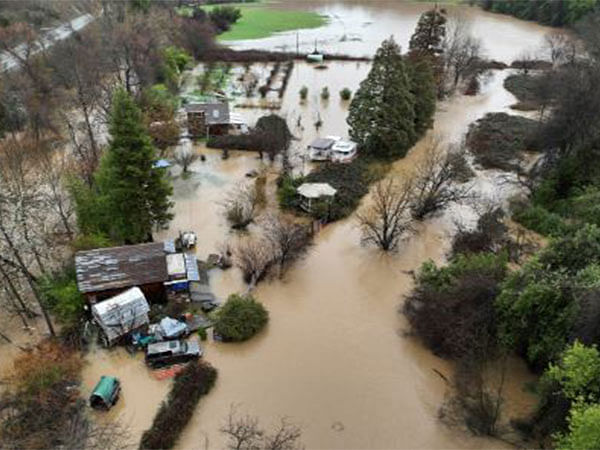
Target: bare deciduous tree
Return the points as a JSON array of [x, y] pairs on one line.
[[388, 216], [560, 47], [462, 51], [254, 256], [435, 182], [240, 205], [245, 433], [185, 159], [289, 240]]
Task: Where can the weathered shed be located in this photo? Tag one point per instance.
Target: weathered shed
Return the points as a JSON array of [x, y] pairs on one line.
[[104, 272], [207, 117], [121, 314]]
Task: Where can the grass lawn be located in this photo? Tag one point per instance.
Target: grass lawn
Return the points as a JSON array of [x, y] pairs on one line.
[[259, 21]]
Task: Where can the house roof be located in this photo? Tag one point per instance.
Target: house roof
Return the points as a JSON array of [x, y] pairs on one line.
[[316, 190], [322, 143], [215, 113], [120, 267]]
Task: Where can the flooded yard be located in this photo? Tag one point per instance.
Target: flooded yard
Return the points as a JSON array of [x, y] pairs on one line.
[[333, 358]]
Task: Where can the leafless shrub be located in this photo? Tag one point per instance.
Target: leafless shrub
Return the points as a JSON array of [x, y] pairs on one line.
[[245, 433], [254, 256], [560, 47], [477, 395], [490, 235], [289, 240], [388, 216], [435, 183], [185, 159], [241, 205]]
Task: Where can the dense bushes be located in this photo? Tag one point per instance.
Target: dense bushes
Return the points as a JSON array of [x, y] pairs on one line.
[[196, 380], [541, 303], [539, 219], [452, 308], [497, 140], [352, 183], [547, 12], [240, 318]]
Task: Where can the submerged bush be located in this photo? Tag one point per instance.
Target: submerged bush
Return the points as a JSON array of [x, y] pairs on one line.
[[240, 318], [452, 308], [303, 93], [196, 380], [346, 94], [497, 140]]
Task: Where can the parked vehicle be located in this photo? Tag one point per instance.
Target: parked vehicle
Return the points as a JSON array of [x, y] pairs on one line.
[[320, 148], [343, 151], [106, 393], [187, 240], [172, 352]]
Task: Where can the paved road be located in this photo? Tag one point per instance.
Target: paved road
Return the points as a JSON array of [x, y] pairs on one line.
[[9, 62]]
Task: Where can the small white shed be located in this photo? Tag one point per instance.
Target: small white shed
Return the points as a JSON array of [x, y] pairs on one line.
[[311, 192], [121, 314]]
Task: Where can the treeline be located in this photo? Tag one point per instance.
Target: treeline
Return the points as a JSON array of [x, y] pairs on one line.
[[556, 13], [478, 309]]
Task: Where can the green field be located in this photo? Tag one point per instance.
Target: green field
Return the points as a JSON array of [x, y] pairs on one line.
[[259, 21]]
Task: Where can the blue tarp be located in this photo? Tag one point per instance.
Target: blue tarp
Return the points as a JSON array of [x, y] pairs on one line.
[[162, 164], [169, 246], [171, 328], [191, 267]]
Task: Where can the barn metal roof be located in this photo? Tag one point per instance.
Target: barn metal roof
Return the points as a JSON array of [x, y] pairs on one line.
[[119, 267]]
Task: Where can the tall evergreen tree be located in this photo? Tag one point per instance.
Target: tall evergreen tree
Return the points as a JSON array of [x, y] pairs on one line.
[[133, 195], [382, 113], [429, 35], [423, 88]]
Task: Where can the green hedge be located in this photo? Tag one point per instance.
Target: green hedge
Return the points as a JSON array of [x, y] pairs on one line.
[[196, 380]]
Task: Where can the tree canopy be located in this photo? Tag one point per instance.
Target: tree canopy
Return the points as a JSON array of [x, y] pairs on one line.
[[382, 112], [130, 197]]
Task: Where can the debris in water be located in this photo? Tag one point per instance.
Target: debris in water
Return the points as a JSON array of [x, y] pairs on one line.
[[338, 426]]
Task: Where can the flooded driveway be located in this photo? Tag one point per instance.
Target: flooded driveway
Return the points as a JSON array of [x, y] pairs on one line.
[[333, 358]]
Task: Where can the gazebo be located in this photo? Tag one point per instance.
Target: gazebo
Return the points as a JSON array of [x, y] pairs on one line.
[[311, 192]]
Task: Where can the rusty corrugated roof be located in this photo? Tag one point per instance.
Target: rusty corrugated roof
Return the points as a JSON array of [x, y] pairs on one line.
[[118, 267]]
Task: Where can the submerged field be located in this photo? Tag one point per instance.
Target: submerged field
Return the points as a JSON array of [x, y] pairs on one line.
[[260, 20]]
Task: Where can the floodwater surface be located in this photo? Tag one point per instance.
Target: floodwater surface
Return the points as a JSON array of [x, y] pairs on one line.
[[334, 358], [357, 27]]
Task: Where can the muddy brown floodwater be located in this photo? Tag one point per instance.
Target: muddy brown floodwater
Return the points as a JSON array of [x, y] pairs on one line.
[[333, 358]]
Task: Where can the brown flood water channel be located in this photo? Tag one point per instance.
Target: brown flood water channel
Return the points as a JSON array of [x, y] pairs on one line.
[[333, 358]]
